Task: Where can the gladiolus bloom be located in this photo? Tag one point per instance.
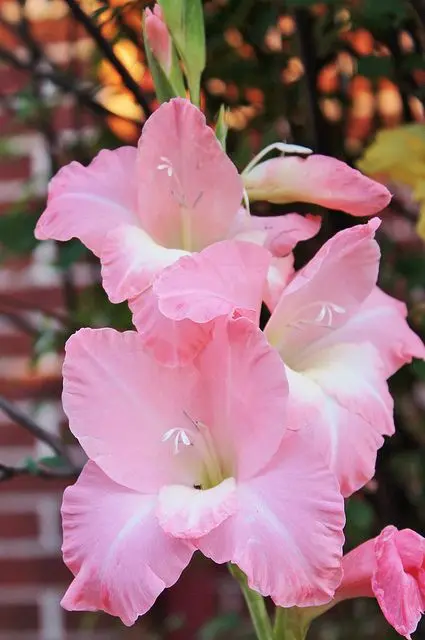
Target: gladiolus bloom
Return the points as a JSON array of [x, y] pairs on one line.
[[317, 179], [206, 461], [339, 336], [391, 568], [141, 209]]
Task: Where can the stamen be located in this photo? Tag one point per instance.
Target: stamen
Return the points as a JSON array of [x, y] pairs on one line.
[[166, 165], [180, 438], [324, 317], [283, 147]]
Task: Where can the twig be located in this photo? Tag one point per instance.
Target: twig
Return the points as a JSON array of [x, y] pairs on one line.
[[7, 472], [124, 28], [66, 84], [9, 301], [107, 50], [27, 423], [21, 323]]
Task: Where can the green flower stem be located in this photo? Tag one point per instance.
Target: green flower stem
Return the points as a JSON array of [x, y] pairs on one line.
[[256, 605], [290, 624]]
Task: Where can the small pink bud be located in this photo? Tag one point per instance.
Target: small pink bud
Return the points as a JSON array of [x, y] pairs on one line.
[[159, 39]]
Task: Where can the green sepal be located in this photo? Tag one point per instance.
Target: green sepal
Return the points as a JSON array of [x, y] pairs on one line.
[[185, 21], [221, 127], [166, 87]]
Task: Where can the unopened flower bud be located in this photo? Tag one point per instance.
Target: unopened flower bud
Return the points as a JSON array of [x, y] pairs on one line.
[[158, 36]]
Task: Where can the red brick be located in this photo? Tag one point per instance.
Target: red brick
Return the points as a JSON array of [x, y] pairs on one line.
[[19, 344], [11, 435], [31, 484], [50, 31], [11, 83], [43, 571], [15, 168], [18, 525], [36, 387], [18, 617]]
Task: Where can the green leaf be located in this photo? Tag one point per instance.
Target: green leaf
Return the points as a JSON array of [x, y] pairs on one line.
[[309, 3], [221, 127], [360, 520], [163, 86], [185, 21], [418, 367], [52, 462], [220, 626], [31, 466], [16, 233], [383, 15], [375, 67], [167, 85], [69, 253]]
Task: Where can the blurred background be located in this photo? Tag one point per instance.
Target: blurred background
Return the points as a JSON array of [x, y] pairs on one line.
[[346, 78]]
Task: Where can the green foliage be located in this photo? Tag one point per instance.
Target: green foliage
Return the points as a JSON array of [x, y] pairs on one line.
[[220, 626], [221, 128], [377, 14], [170, 85], [16, 233], [185, 20], [375, 67], [360, 520], [163, 86], [69, 253]]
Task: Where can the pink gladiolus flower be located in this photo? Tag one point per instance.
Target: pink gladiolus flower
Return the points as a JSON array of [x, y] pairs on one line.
[[141, 209], [159, 39], [193, 457], [317, 179], [235, 287], [339, 336], [390, 568]]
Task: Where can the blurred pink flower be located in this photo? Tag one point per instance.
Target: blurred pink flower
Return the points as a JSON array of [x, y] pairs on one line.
[[192, 457], [159, 39], [391, 568]]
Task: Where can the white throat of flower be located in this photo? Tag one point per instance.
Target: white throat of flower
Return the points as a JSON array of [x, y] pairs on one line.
[[199, 437]]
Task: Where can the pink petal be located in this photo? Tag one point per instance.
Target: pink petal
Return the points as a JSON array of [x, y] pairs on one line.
[[358, 566], [227, 277], [186, 512], [87, 202], [280, 273], [173, 343], [347, 382], [111, 384], [188, 190], [287, 533], [286, 231], [400, 590], [381, 320], [326, 292], [317, 179], [130, 260], [121, 558], [241, 396], [279, 234]]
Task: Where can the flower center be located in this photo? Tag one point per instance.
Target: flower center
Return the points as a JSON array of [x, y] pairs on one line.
[[320, 313], [186, 240], [199, 437]]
